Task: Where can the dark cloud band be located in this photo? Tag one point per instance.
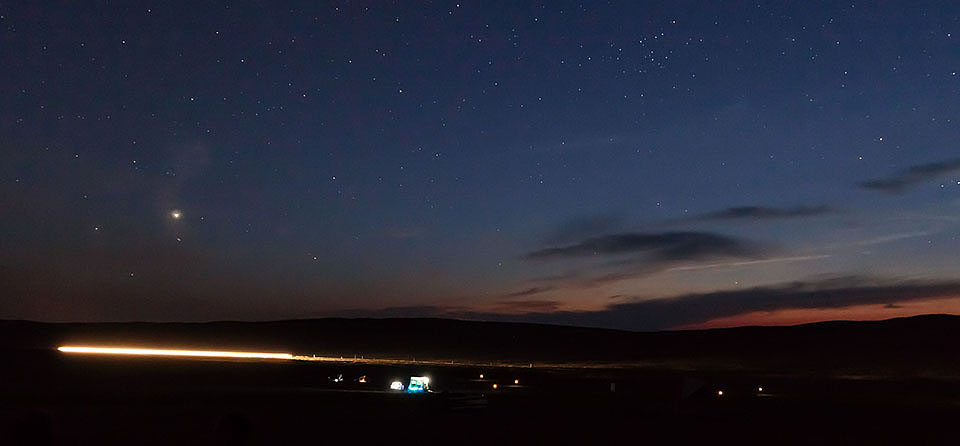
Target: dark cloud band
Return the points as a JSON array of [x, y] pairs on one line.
[[762, 213], [684, 310], [905, 179], [665, 246]]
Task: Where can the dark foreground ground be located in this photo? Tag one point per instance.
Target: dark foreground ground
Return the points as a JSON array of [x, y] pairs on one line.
[[888, 382], [49, 397]]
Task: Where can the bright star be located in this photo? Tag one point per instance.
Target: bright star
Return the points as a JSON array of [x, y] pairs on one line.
[[176, 214]]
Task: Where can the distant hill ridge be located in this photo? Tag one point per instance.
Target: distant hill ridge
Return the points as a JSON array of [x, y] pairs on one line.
[[912, 344]]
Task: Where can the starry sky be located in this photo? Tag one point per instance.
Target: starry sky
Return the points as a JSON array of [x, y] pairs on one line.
[[624, 164]]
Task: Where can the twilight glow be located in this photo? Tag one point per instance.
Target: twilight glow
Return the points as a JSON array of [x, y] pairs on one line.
[[631, 165]]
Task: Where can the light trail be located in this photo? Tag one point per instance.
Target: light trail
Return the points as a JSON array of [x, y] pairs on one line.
[[171, 352]]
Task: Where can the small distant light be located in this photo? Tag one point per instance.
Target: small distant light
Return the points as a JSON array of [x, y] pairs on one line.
[[481, 376], [176, 214], [759, 389], [719, 393], [396, 385], [516, 381], [494, 387]]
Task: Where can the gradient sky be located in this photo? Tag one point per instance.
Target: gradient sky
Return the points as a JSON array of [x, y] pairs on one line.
[[638, 165]]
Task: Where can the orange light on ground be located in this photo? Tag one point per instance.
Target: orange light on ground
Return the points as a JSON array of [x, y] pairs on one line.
[[516, 381], [719, 393], [171, 352], [494, 387]]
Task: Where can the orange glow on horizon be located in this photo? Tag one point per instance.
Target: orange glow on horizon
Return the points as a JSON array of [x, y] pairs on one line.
[[171, 352], [949, 305]]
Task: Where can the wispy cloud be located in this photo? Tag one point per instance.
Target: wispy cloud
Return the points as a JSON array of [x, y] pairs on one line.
[[903, 180], [530, 291], [629, 255], [875, 240], [887, 238], [661, 246], [761, 213], [750, 262]]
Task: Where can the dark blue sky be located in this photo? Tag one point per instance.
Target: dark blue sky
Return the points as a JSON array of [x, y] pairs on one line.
[[586, 163]]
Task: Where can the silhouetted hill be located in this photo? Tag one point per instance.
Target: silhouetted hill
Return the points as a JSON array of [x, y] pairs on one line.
[[921, 345]]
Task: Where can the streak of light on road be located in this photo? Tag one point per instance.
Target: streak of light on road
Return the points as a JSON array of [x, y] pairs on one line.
[[171, 352]]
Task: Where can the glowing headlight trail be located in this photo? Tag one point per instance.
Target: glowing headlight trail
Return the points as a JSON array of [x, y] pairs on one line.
[[168, 352]]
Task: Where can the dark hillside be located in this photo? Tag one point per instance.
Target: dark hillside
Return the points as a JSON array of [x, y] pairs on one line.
[[921, 345]]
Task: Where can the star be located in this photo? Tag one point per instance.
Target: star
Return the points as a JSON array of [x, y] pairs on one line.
[[176, 214]]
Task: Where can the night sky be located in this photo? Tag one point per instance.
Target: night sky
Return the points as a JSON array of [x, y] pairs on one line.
[[627, 164]]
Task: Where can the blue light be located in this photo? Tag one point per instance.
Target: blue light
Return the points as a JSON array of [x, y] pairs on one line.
[[418, 384]]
